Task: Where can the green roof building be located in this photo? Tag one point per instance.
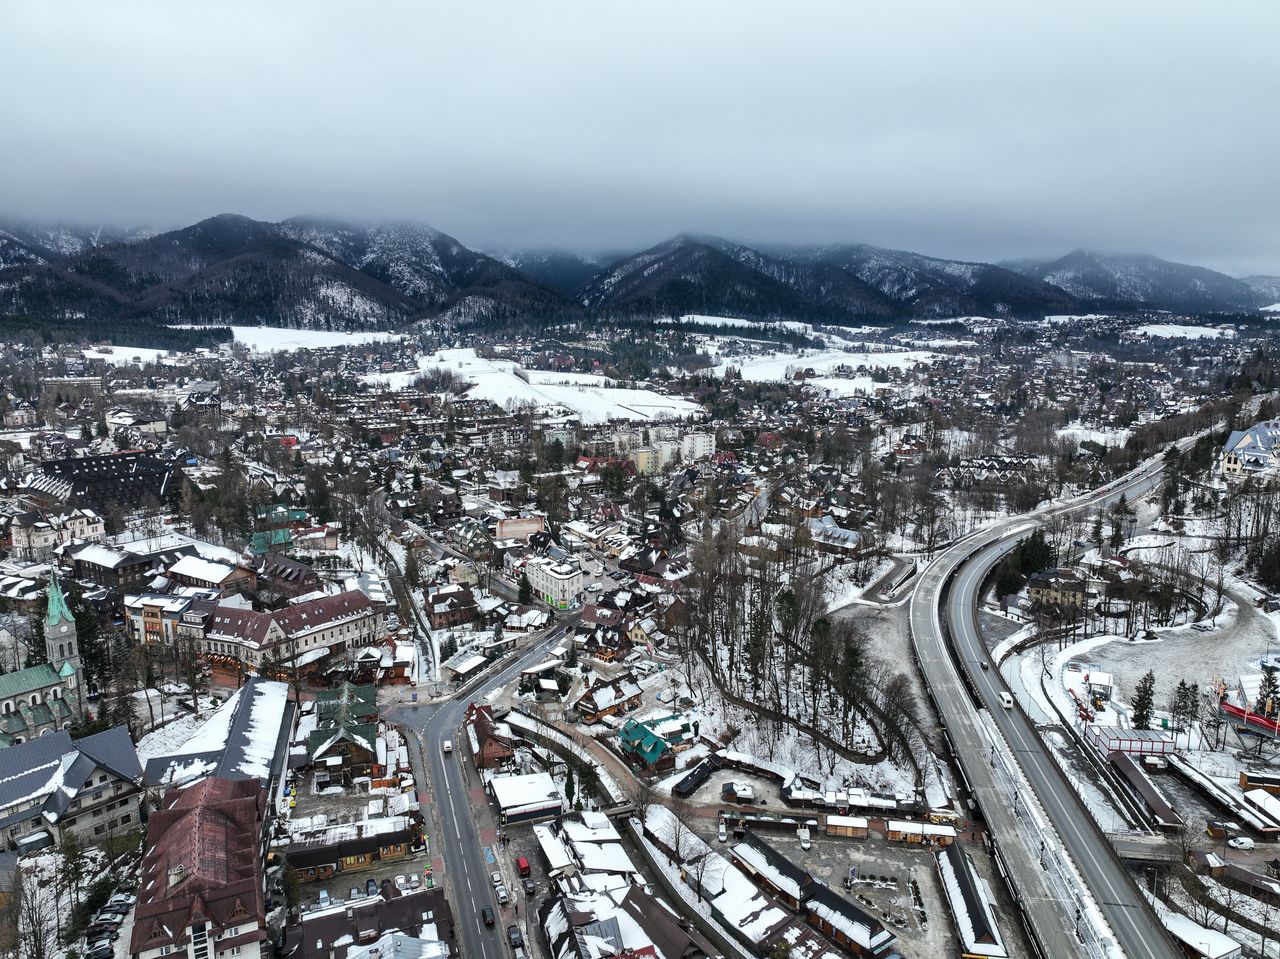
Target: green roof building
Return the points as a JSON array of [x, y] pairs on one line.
[[47, 696]]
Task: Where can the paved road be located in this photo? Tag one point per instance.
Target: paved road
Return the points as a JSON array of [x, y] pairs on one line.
[[1137, 931], [466, 869]]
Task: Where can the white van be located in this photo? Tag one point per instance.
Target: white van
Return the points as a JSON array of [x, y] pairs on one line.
[[447, 745], [1006, 699]]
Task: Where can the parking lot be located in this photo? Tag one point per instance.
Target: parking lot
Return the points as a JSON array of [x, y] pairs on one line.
[[896, 883], [350, 805]]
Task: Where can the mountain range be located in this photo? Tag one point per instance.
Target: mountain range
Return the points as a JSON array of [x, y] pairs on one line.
[[320, 273]]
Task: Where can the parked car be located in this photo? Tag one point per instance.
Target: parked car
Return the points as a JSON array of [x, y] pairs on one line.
[[324, 897], [95, 944], [487, 915], [122, 899], [1240, 842], [103, 952], [356, 893], [495, 877], [402, 883], [371, 887], [514, 937], [722, 833], [503, 898], [415, 881]]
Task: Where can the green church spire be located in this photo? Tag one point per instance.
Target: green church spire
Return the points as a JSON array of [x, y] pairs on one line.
[[58, 609]]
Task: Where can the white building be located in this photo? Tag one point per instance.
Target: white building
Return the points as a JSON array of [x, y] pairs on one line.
[[697, 446], [559, 585]]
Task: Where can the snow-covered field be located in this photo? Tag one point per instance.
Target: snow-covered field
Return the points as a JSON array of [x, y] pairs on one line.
[[780, 365], [1060, 318], [125, 355], [1178, 331], [496, 381], [1081, 434], [270, 339], [699, 320]]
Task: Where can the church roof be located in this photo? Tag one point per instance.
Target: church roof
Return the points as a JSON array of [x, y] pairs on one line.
[[58, 608], [26, 681]]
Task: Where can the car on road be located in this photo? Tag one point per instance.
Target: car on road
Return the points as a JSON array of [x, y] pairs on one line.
[[447, 745], [501, 893], [985, 666], [495, 877], [1006, 699], [486, 914], [1240, 842], [529, 887], [514, 937]]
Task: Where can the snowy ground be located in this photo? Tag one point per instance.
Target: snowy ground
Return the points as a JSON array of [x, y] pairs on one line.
[[125, 355], [1177, 331], [497, 381], [1081, 434], [780, 365], [1201, 658], [269, 339]]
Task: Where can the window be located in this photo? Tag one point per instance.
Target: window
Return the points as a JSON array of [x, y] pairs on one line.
[[8, 707], [35, 699], [97, 830], [127, 817]]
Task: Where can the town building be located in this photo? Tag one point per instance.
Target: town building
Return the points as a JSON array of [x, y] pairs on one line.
[[201, 885], [559, 585], [53, 786], [35, 535], [310, 630], [111, 481], [48, 696], [1252, 452]]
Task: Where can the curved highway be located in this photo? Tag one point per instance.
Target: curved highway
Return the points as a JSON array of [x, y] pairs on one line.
[[962, 567]]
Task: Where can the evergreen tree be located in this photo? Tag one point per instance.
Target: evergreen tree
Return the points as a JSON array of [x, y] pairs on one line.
[[1268, 693], [526, 590], [1143, 701], [569, 788], [1097, 530]]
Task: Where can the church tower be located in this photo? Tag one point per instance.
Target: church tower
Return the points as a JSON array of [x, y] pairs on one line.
[[62, 645]]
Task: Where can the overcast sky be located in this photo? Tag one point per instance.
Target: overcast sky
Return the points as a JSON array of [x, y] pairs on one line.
[[972, 129]]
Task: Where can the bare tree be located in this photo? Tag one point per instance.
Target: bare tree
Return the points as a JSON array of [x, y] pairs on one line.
[[34, 918]]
